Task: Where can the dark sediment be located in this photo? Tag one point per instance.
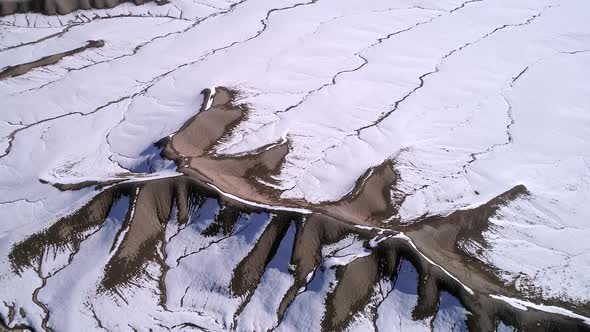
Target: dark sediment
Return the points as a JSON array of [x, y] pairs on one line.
[[370, 202], [352, 293], [66, 232], [440, 238], [21, 69], [248, 273], [245, 175], [355, 281]]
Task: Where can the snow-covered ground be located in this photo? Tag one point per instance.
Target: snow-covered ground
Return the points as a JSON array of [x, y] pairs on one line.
[[468, 98], [397, 298]]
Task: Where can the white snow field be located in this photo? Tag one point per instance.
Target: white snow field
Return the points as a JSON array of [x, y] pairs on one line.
[[468, 98]]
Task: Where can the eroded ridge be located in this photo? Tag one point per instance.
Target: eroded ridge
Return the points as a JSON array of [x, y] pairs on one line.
[[327, 266], [173, 232], [247, 179], [251, 175], [23, 68]]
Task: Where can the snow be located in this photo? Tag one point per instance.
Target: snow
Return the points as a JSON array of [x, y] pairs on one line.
[[265, 206], [450, 315], [68, 293], [505, 328], [306, 312], [467, 99], [259, 313], [550, 158], [401, 299], [199, 280], [401, 235], [396, 298], [524, 305]]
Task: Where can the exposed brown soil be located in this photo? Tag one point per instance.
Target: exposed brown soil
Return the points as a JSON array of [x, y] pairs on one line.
[[447, 233], [248, 273], [200, 134], [192, 147], [23, 68], [440, 238], [81, 185], [11, 315], [355, 282], [145, 231], [67, 232], [352, 293], [369, 203], [4, 328]]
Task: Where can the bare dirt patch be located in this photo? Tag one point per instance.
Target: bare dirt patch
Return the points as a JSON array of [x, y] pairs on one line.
[[23, 68]]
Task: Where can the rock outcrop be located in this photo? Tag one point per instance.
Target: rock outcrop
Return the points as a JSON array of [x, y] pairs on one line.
[[58, 7]]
